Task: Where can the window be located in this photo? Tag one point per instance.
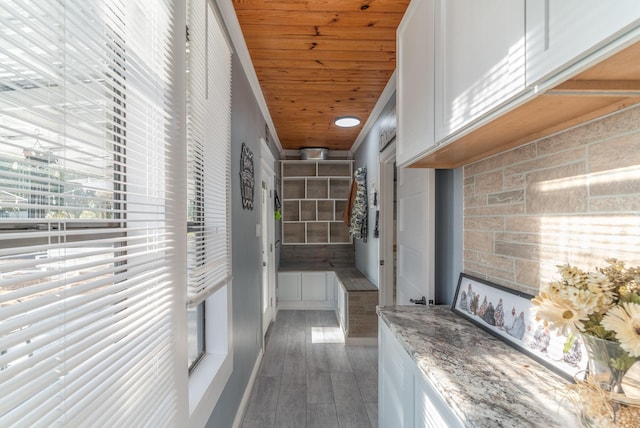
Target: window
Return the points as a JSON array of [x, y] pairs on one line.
[[87, 297], [208, 169]]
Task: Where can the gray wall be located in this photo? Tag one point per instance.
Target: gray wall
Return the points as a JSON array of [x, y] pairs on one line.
[[367, 253], [448, 236], [448, 233], [247, 125]]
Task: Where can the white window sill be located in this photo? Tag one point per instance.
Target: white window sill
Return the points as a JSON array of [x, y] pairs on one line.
[[206, 384]]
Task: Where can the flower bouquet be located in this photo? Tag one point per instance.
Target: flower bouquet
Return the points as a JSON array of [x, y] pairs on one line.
[[603, 308]]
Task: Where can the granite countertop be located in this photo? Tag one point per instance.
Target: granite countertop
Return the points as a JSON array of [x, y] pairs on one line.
[[486, 382]]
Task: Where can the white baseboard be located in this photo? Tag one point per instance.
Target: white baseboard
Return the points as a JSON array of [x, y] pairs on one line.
[[242, 409]]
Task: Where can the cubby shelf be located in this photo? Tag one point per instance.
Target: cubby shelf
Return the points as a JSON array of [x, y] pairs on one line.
[[314, 194]]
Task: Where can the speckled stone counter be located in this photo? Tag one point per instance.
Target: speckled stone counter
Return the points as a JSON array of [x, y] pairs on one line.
[[486, 382], [361, 299], [353, 280]]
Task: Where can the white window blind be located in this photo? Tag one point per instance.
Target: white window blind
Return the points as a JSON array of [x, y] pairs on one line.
[[209, 152], [86, 312]]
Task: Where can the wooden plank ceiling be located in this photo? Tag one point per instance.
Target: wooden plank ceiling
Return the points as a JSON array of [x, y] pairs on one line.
[[320, 59]]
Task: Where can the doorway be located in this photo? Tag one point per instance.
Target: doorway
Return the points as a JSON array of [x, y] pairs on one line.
[[407, 225], [268, 290], [387, 226]]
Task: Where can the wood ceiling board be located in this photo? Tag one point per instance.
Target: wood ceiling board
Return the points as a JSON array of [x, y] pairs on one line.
[[321, 74], [323, 86], [301, 94], [313, 64], [301, 111], [327, 137], [320, 31], [331, 142], [314, 128], [299, 127], [338, 19], [304, 43], [317, 60], [336, 98], [368, 6], [313, 55]]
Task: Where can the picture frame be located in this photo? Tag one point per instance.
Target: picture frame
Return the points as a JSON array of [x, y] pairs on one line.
[[506, 314]]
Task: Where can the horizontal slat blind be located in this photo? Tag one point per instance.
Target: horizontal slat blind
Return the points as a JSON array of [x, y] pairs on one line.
[[86, 298], [209, 151]]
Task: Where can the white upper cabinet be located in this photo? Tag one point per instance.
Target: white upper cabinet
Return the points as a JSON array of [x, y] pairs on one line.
[[560, 32], [415, 81], [480, 60]]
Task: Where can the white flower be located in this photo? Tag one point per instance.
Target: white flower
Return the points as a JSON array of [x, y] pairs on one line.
[[559, 314], [625, 322]]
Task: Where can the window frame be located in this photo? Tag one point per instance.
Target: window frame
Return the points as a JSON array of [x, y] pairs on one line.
[[209, 376]]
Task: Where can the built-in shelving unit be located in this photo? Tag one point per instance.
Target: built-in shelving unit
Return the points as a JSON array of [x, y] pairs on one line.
[[314, 194]]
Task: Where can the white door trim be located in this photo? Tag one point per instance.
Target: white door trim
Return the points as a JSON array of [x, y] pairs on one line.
[[267, 176], [386, 166]]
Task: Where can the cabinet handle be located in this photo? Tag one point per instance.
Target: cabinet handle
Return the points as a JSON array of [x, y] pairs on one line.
[[422, 301]]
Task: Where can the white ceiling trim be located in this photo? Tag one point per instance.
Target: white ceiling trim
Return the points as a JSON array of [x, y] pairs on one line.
[[385, 96]]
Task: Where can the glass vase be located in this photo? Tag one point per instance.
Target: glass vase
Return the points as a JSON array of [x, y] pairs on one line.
[[608, 363]]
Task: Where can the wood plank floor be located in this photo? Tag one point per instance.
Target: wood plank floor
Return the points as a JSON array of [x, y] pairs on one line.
[[309, 378]]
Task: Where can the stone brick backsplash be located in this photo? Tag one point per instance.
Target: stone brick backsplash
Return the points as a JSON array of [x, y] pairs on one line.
[[573, 197]]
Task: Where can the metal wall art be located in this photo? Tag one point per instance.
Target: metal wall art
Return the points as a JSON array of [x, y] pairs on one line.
[[247, 179]]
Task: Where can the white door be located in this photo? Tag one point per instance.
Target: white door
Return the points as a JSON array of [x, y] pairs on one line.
[[416, 197], [387, 226], [267, 239]]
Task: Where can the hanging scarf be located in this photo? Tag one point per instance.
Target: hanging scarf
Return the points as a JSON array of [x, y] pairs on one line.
[[359, 222]]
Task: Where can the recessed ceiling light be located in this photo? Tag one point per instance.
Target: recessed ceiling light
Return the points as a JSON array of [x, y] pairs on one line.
[[347, 121]]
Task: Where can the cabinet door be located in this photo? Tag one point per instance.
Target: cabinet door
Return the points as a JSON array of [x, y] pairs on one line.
[[341, 304], [289, 286], [481, 60], [405, 398], [430, 410], [415, 234], [331, 286], [560, 32], [392, 394], [415, 81], [314, 286]]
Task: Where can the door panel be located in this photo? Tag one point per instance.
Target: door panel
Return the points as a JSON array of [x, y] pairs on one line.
[[267, 228], [415, 194]]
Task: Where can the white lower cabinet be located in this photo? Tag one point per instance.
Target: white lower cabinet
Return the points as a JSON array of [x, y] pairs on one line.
[[405, 397], [342, 307], [331, 286], [289, 286], [306, 290], [392, 394], [314, 286]]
